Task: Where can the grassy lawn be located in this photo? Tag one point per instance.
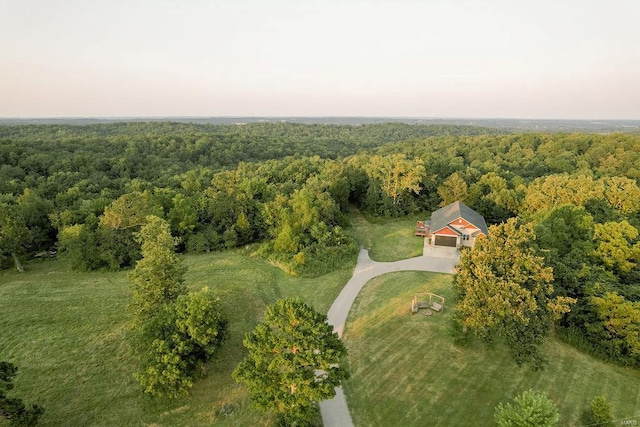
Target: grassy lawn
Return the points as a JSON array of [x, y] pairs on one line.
[[406, 370], [67, 333], [391, 240]]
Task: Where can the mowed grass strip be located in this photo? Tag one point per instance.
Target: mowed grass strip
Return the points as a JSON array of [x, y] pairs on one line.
[[68, 333], [407, 371], [387, 241]]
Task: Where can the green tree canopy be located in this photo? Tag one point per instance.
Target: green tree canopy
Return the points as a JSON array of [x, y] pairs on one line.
[[503, 289], [14, 234], [305, 231], [617, 326], [35, 210], [491, 196], [555, 190], [617, 245], [12, 408], [529, 409], [622, 193], [158, 277], [396, 174], [598, 414], [565, 235], [392, 183], [77, 244], [295, 360], [453, 189], [130, 210], [179, 340]]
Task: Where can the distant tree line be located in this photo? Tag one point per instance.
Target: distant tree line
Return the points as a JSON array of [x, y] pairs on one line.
[[73, 184]]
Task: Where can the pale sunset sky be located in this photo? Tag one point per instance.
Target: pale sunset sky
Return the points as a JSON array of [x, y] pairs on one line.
[[563, 59]]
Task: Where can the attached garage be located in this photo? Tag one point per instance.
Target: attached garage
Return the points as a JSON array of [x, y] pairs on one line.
[[451, 241], [455, 225]]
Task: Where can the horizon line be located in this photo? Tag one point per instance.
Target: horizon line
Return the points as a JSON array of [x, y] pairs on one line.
[[158, 117]]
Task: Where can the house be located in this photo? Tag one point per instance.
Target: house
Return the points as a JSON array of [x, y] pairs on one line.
[[455, 225]]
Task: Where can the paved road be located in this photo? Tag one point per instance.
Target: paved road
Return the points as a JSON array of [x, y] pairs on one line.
[[335, 412]]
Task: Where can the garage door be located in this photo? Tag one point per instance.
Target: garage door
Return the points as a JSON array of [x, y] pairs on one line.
[[446, 241]]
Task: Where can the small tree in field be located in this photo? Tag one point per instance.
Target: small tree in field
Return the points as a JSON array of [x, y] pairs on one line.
[[294, 361], [504, 290], [598, 414], [529, 409], [158, 278]]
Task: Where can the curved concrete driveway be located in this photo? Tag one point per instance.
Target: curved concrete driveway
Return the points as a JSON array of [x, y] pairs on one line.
[[335, 412]]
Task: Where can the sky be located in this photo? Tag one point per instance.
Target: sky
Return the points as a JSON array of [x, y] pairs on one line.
[[562, 59]]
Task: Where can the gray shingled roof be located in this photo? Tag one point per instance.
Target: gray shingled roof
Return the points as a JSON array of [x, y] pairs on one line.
[[455, 210]]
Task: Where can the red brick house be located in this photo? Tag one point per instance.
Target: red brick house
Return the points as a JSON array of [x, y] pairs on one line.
[[455, 225]]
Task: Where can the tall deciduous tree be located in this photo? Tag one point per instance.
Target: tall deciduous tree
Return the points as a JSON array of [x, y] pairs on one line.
[[565, 234], [13, 233], [492, 197], [617, 327], [130, 210], [119, 224], [396, 174], [183, 215], [158, 277], [617, 245], [294, 361], [77, 244], [307, 237], [180, 339], [453, 189], [555, 190], [504, 290], [622, 193], [34, 210]]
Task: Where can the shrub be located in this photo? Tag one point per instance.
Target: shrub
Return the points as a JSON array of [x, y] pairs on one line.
[[598, 413], [529, 409]]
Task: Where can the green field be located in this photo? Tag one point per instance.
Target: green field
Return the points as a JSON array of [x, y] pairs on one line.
[[406, 370], [67, 333], [388, 240]]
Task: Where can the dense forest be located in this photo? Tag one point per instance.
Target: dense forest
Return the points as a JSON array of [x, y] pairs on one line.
[[84, 192]]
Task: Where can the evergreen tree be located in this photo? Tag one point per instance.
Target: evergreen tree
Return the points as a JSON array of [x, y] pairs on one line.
[[598, 414], [158, 277], [529, 409]]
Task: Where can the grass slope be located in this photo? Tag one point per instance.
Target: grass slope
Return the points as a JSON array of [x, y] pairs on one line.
[[387, 241], [67, 333], [406, 370]]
